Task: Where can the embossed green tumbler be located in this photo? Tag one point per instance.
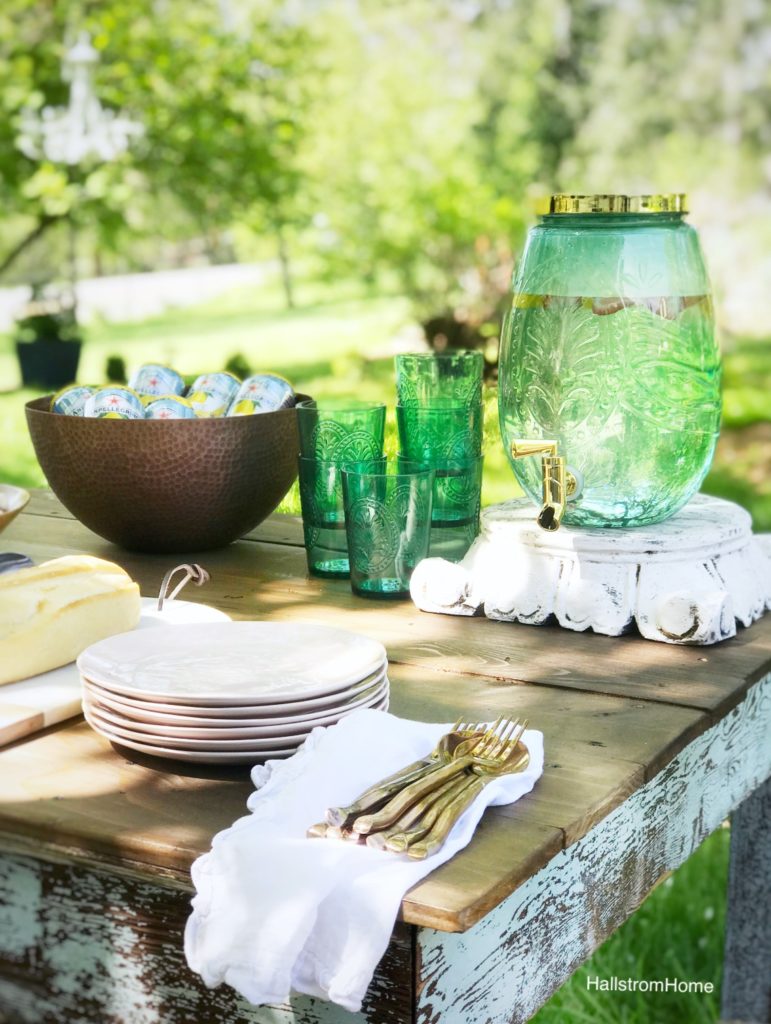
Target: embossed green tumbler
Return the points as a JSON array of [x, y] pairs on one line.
[[321, 499], [341, 429], [388, 523], [333, 433], [609, 351], [439, 378]]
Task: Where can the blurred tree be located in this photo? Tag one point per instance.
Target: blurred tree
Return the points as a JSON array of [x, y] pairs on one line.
[[221, 101], [400, 140], [686, 85], [398, 178], [440, 123]]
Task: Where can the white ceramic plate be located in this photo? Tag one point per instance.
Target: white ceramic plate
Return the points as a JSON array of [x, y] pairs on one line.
[[208, 756], [251, 743], [266, 743], [230, 728], [276, 713], [178, 613], [221, 663]]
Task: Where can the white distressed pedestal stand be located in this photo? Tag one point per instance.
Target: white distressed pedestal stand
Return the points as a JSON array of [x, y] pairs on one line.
[[688, 580]]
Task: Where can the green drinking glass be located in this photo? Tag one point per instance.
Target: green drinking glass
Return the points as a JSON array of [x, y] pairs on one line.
[[428, 432], [321, 499], [388, 525], [457, 500], [341, 430], [439, 378]]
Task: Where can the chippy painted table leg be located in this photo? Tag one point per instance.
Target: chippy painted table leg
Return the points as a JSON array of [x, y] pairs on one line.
[[505, 967], [747, 970], [81, 943]]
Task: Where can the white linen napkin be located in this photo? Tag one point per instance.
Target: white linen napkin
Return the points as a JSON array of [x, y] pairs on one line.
[[275, 911]]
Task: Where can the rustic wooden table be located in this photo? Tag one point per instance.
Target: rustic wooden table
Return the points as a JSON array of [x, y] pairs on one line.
[[648, 749]]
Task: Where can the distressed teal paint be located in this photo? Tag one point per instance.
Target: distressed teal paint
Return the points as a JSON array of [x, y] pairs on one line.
[[505, 967]]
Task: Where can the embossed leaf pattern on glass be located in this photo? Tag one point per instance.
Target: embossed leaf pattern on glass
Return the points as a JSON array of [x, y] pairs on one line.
[[377, 535], [440, 434], [425, 443], [671, 372], [629, 386], [640, 277], [458, 486], [562, 374], [384, 538], [336, 442], [449, 378]]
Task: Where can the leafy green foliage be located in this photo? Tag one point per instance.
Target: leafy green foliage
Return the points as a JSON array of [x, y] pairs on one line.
[[58, 326], [432, 134], [222, 109]]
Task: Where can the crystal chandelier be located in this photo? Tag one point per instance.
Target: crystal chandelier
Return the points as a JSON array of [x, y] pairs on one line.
[[83, 130]]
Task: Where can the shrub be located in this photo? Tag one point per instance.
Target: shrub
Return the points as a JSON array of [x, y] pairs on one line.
[[239, 365], [115, 370]]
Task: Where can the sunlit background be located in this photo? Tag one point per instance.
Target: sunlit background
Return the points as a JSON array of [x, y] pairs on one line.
[[310, 186]]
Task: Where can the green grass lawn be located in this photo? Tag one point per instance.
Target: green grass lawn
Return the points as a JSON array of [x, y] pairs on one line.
[[338, 343]]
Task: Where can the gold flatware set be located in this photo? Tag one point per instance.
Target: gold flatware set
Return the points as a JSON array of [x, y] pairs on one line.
[[413, 811]]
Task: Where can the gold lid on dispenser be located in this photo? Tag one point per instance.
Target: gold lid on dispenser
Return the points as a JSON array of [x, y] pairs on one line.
[[672, 202]]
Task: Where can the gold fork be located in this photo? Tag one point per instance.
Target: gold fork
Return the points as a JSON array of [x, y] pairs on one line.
[[422, 814], [487, 749], [461, 738], [514, 758], [417, 823]]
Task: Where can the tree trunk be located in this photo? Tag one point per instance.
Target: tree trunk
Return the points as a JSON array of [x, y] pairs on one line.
[[286, 270], [43, 224]]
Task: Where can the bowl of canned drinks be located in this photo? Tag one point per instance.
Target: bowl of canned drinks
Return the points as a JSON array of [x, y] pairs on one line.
[[166, 466]]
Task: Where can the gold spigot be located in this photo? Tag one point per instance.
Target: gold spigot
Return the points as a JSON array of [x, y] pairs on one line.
[[558, 482]]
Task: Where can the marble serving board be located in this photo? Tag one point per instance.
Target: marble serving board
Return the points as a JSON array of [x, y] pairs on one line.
[[33, 704]]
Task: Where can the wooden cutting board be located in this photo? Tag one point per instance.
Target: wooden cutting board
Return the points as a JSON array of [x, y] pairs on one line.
[[33, 704]]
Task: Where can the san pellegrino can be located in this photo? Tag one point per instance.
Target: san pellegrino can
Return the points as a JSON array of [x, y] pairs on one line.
[[169, 407], [71, 401], [115, 403], [211, 394], [264, 392], [157, 380]]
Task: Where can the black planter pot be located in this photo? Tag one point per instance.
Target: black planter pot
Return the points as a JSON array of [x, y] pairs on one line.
[[49, 365]]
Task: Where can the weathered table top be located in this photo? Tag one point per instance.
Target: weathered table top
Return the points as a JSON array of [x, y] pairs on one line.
[[614, 712]]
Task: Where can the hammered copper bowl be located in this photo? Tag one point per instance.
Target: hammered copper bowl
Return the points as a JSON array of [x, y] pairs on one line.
[[167, 485]]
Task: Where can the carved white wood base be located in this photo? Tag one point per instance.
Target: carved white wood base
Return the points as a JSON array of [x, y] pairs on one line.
[[688, 580]]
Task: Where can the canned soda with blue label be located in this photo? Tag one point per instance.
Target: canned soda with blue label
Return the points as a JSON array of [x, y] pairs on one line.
[[71, 401], [169, 407], [211, 394], [115, 403], [265, 392], [153, 379]]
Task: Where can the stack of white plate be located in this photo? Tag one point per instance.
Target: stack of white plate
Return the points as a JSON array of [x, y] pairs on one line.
[[228, 692]]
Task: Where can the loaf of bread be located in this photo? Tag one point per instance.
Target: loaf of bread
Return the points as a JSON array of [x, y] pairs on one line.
[[50, 613]]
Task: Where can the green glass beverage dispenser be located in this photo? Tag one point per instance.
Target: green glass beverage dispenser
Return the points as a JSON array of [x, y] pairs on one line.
[[609, 375]]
